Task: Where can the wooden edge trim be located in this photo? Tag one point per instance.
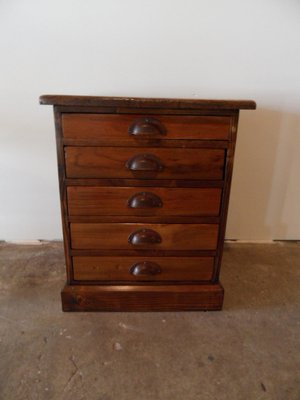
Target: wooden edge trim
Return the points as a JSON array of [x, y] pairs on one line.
[[135, 102]]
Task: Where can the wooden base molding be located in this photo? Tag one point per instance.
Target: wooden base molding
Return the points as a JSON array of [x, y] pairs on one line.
[[142, 298]]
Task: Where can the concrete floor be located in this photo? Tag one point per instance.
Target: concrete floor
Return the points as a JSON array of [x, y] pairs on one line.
[[248, 351]]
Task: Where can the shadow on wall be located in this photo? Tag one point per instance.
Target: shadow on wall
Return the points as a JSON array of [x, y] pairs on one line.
[[265, 194]]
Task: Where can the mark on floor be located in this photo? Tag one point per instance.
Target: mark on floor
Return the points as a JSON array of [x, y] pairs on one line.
[[117, 346], [263, 387], [73, 373]]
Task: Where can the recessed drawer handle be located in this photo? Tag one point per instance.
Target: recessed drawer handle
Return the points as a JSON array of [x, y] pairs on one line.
[[144, 162], [144, 200], [145, 268], [147, 126], [144, 236]]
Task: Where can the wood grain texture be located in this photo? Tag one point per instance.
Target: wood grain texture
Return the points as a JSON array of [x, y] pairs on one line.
[[225, 196], [151, 142], [164, 251], [151, 252], [136, 102], [122, 109], [116, 236], [110, 162], [118, 268], [145, 219], [113, 128], [89, 200], [142, 298], [62, 192]]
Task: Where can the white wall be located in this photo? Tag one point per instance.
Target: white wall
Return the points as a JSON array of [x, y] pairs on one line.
[[161, 48]]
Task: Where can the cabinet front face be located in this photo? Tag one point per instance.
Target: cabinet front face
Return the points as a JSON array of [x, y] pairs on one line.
[[144, 187]]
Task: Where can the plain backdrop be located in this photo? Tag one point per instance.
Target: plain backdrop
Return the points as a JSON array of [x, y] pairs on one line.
[[158, 48]]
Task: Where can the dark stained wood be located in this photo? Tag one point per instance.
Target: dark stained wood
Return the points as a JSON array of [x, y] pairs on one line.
[[90, 200], [62, 191], [135, 102], [118, 127], [116, 236], [142, 298], [110, 162], [143, 252], [119, 268], [145, 110], [164, 219], [225, 197], [183, 143], [144, 182], [144, 187]]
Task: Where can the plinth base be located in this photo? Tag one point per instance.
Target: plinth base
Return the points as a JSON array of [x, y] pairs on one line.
[[142, 298]]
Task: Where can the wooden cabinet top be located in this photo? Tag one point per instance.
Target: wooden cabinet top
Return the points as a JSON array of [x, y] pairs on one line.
[[135, 102]]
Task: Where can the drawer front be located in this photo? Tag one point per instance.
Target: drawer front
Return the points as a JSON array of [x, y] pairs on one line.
[[143, 268], [130, 128], [91, 200], [131, 236], [144, 163]]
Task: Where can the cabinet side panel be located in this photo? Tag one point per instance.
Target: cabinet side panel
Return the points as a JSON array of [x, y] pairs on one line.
[[62, 191], [226, 194]]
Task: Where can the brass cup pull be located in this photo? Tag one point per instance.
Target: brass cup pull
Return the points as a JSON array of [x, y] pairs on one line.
[[145, 268], [144, 200], [144, 236], [146, 126], [144, 162]]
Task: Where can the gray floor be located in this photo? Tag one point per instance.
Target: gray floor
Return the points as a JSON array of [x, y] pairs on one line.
[[248, 351]]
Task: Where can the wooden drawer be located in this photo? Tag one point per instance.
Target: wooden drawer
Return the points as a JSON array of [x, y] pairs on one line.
[[92, 200], [143, 268], [130, 128], [144, 163], [129, 236]]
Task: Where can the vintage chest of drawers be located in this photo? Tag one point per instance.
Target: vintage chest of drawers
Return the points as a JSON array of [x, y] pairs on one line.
[[144, 186]]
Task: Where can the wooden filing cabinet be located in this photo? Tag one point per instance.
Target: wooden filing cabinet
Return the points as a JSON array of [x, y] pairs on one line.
[[144, 186]]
